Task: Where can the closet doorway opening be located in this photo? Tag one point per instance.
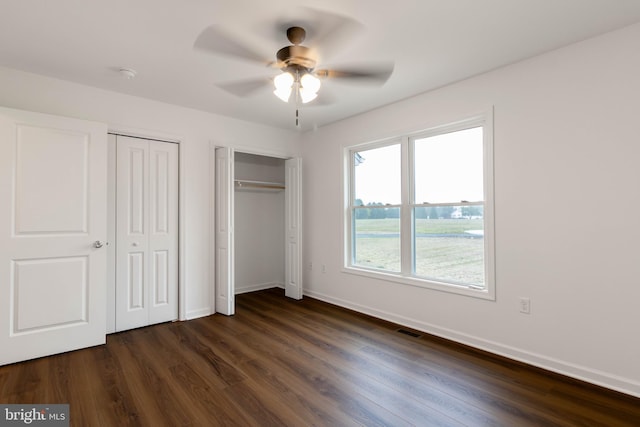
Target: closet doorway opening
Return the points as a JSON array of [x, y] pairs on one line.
[[257, 220]]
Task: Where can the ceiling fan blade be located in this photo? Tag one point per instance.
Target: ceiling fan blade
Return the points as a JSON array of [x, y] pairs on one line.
[[371, 74], [326, 33], [214, 39], [331, 33], [244, 88]]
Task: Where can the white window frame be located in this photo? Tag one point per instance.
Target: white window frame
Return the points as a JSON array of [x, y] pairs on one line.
[[407, 276]]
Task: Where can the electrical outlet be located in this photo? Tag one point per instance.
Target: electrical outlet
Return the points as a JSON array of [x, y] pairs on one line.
[[324, 268], [525, 305], [310, 266]]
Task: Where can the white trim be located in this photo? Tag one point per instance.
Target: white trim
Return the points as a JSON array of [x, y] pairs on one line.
[[258, 287], [111, 234], [182, 232], [145, 134], [420, 283], [600, 378], [489, 204], [195, 314], [212, 227], [407, 251], [261, 152]]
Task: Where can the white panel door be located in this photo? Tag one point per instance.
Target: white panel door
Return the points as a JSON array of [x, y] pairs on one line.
[[224, 260], [146, 232], [293, 228], [163, 231], [53, 182]]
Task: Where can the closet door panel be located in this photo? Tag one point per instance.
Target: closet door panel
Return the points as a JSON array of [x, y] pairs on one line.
[[132, 229], [147, 232], [163, 236], [135, 282], [224, 214], [160, 278], [293, 229]]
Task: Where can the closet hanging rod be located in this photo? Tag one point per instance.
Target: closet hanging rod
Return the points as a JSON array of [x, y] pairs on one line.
[[260, 184]]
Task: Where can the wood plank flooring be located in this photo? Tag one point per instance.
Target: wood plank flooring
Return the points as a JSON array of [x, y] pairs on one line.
[[280, 362]]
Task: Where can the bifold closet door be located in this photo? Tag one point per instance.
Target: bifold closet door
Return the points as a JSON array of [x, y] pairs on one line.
[[293, 228], [224, 238], [146, 232]]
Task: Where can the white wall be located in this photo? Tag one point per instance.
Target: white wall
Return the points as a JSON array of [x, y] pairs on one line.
[[196, 130], [258, 225], [567, 192]]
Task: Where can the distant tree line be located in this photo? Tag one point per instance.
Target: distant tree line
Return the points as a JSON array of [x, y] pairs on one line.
[[380, 211], [433, 212]]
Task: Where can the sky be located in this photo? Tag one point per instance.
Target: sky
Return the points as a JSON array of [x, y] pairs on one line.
[[448, 170]]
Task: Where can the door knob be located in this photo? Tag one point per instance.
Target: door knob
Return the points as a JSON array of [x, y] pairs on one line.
[[98, 244]]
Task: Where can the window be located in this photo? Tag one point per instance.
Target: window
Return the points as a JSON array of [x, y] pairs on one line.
[[376, 211], [419, 208]]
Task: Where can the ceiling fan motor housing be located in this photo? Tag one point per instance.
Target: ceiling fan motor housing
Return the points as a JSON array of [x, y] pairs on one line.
[[296, 56]]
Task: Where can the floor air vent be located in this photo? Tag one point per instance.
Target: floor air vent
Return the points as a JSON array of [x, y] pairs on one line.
[[410, 333]]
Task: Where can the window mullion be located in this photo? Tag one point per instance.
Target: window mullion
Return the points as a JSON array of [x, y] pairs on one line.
[[406, 215]]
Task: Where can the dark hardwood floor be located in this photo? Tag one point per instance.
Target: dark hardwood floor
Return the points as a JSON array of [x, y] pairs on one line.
[[280, 362]]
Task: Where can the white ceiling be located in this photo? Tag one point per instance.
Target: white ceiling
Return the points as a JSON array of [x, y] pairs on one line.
[[431, 42]]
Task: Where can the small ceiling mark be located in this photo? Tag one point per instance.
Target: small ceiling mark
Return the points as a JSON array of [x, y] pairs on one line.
[[128, 73]]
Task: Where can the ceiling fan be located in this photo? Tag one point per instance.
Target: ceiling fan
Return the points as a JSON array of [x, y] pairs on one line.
[[299, 77]]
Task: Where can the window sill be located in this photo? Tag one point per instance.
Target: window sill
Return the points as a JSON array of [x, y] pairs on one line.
[[487, 294]]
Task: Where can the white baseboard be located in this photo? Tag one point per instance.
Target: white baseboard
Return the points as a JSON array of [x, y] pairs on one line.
[[201, 312], [582, 373], [257, 287], [207, 311]]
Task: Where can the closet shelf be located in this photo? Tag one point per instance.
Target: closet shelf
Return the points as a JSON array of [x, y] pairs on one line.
[[242, 184]]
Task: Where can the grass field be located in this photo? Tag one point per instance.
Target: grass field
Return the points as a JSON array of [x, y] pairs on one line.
[[423, 226], [443, 248]]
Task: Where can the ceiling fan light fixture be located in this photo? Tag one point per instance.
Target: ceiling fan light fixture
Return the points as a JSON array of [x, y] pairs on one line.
[[309, 87], [283, 84], [306, 86], [284, 94], [283, 81], [307, 96], [310, 83]]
